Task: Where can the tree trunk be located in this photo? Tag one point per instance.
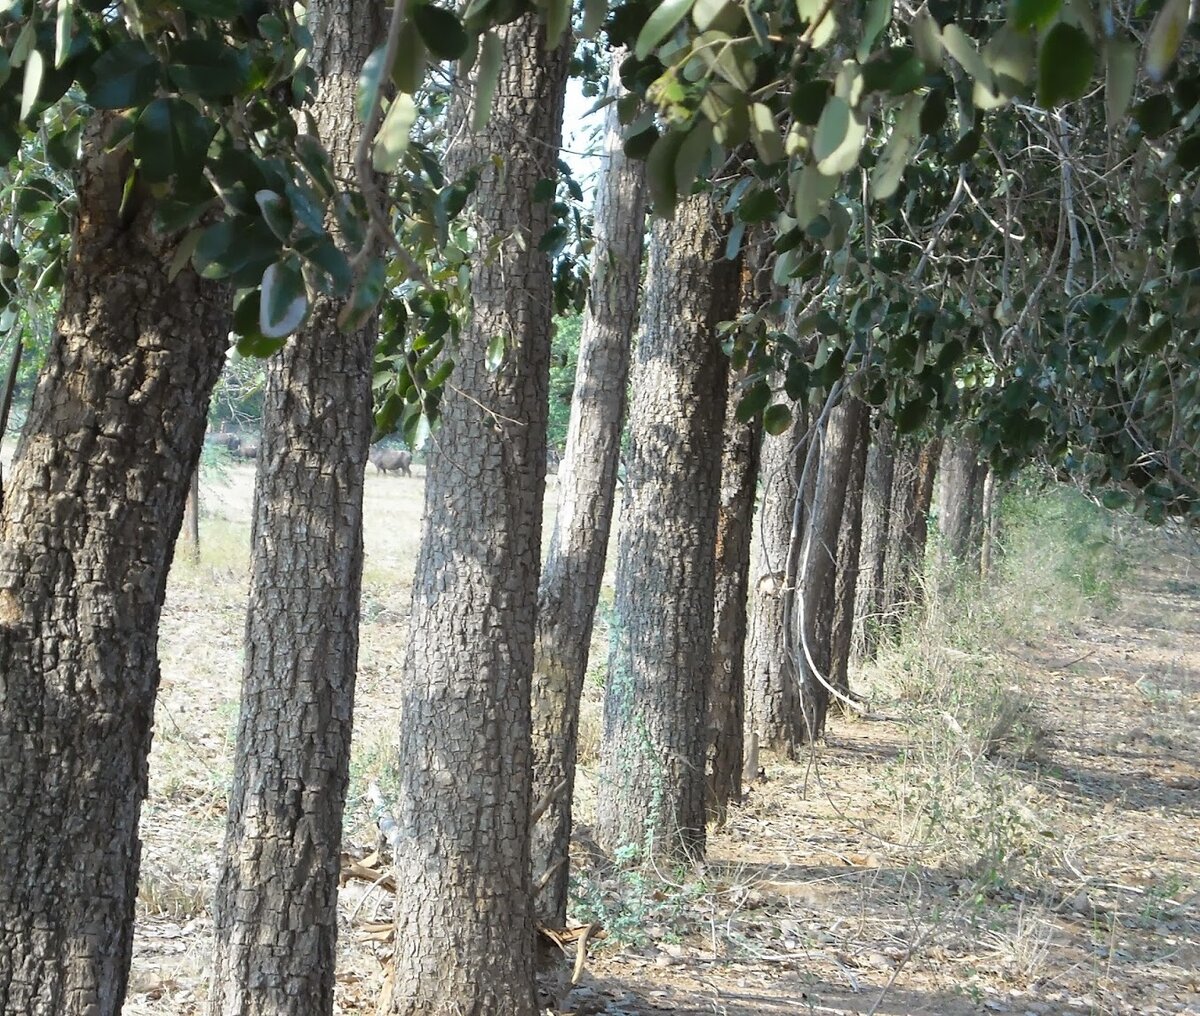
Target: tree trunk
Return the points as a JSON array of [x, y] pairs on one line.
[[735, 530], [89, 525], [773, 690], [191, 515], [959, 501], [587, 479], [652, 786], [464, 922], [991, 523], [876, 533], [818, 572], [275, 910], [916, 470], [849, 545]]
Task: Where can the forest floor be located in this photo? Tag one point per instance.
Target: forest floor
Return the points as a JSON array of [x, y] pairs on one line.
[[1013, 826]]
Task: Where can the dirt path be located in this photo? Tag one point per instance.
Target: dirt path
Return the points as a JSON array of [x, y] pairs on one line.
[[808, 904]]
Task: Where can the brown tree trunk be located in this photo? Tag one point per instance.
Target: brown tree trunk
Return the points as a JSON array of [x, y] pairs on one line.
[[878, 482], [587, 479], [990, 522], [959, 501], [816, 577], [652, 786], [774, 717], [916, 470], [191, 515], [849, 545], [464, 922], [90, 520], [275, 910], [735, 518]]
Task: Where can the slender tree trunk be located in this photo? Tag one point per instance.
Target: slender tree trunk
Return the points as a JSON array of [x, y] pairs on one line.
[[275, 911], [652, 787], [991, 521], [464, 923], [587, 479], [90, 521], [773, 709], [876, 533], [849, 545], [191, 515], [958, 501], [916, 470], [735, 529], [818, 573]]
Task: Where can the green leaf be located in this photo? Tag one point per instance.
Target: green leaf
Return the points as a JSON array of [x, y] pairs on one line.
[[877, 18], [759, 205], [826, 28], [393, 139], [495, 353], [364, 298], [888, 171], [926, 38], [441, 31], [1154, 115], [753, 402], [491, 57], [777, 419], [838, 139], [63, 24], [408, 69], [124, 75], [1036, 14], [276, 212], [660, 24], [183, 253], [558, 17], [35, 66], [208, 68], [594, 13], [660, 173], [62, 149], [171, 138], [1065, 65], [213, 8], [692, 153], [764, 132], [1165, 38], [368, 83], [1120, 74], [808, 101], [238, 249], [284, 304]]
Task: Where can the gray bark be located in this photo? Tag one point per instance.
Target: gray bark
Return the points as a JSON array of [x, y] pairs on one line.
[[464, 923], [90, 519], [959, 500], [652, 786], [587, 478], [275, 911], [849, 546], [815, 595], [876, 533]]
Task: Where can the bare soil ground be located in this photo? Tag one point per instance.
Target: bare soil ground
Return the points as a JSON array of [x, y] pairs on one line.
[[917, 863]]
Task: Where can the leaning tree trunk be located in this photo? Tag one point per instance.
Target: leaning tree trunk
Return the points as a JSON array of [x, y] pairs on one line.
[[90, 519], [464, 922], [876, 534], [652, 785], [275, 911], [587, 479], [849, 546], [816, 578], [773, 715]]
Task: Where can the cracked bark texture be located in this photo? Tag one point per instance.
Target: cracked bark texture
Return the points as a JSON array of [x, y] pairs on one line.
[[960, 500], [772, 685], [275, 910], [876, 533], [652, 783], [817, 579], [587, 479], [90, 518], [912, 494], [849, 544], [464, 922]]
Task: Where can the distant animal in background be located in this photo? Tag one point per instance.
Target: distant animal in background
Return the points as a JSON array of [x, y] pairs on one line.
[[230, 442], [247, 451], [388, 460]]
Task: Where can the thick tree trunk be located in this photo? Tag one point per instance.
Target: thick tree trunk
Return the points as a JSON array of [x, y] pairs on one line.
[[959, 501], [652, 786], [876, 533], [818, 572], [90, 520], [275, 911], [464, 923], [735, 529], [773, 690], [587, 479], [849, 545]]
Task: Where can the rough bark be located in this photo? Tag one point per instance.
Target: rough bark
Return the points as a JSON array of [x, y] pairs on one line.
[[91, 515], [587, 478], [772, 686], [275, 910], [652, 786], [991, 523], [191, 515], [818, 573], [959, 501], [849, 545], [912, 494], [464, 924], [876, 532]]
